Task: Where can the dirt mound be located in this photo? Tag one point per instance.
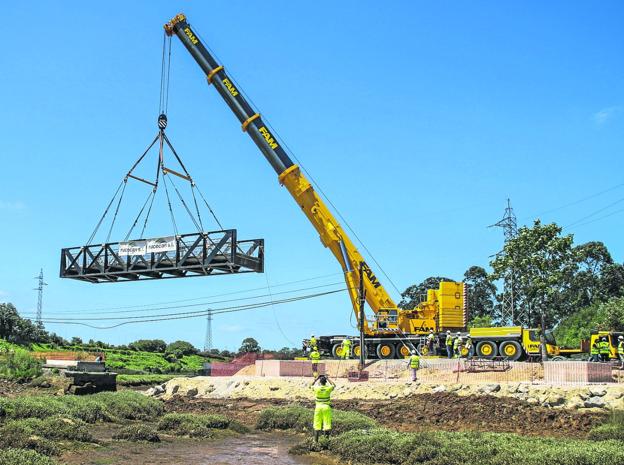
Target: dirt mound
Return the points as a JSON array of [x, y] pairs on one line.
[[439, 411], [450, 412]]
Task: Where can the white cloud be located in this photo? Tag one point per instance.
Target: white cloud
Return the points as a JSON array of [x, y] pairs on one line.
[[605, 115], [11, 205]]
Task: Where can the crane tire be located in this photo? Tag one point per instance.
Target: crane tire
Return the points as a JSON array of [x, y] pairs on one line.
[[385, 350], [337, 350], [356, 351], [402, 351], [486, 349], [511, 350]]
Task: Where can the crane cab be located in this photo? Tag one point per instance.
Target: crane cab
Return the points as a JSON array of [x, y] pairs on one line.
[[387, 319]]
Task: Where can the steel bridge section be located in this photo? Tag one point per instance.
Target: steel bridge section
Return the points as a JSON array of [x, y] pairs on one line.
[[195, 254]]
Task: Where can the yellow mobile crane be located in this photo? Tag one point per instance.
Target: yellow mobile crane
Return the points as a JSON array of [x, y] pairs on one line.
[[395, 331]]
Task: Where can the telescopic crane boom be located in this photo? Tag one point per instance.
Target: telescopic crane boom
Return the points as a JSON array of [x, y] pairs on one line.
[[331, 233]]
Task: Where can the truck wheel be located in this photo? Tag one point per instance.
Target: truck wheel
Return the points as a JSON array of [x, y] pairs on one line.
[[511, 350], [356, 351], [486, 349], [404, 351], [385, 350], [337, 350]]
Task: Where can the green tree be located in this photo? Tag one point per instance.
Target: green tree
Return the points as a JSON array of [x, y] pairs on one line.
[[249, 344], [480, 295], [543, 263], [600, 316], [587, 286], [179, 349], [14, 328], [149, 345], [416, 293]]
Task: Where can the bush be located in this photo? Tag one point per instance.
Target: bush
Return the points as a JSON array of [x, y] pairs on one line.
[[104, 406], [137, 433], [141, 380], [19, 365], [24, 457], [380, 446], [21, 436], [52, 428], [612, 429], [300, 419], [192, 425]]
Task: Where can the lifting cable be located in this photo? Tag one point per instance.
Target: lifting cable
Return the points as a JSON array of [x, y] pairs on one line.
[[139, 215], [173, 221], [110, 230], [104, 214]]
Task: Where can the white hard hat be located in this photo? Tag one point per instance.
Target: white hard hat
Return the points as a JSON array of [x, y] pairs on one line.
[[458, 333], [621, 337], [448, 332]]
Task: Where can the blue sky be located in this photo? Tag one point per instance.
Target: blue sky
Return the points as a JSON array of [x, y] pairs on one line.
[[417, 119]]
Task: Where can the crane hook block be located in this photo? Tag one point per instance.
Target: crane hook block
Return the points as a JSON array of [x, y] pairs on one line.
[[162, 121]]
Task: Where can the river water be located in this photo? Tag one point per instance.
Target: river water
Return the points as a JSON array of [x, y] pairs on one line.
[[246, 449]]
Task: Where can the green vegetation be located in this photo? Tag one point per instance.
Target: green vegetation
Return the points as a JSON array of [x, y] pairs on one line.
[[606, 316], [16, 364], [381, 446], [105, 406], [38, 435], [300, 419], [141, 380], [192, 425], [612, 429], [137, 433], [24, 457]]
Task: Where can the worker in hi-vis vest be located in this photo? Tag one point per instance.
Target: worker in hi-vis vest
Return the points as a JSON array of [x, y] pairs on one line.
[[449, 345], [604, 349], [315, 356], [322, 410], [346, 348], [414, 364], [621, 350]]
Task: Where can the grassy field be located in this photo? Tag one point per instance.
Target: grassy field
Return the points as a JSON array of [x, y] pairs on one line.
[[357, 439]]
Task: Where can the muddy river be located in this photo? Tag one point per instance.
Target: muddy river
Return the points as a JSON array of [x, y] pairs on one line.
[[248, 449]]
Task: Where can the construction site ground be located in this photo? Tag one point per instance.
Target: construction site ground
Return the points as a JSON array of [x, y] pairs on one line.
[[440, 411]]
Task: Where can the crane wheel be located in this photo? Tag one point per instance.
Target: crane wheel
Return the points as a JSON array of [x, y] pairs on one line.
[[486, 349], [356, 351], [404, 351], [385, 350], [511, 350], [337, 350]]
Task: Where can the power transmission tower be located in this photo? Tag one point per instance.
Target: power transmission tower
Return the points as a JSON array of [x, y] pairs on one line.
[[509, 310], [208, 340], [39, 288]]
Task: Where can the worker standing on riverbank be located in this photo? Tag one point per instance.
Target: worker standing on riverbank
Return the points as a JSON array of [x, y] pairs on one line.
[[315, 356], [604, 349], [322, 410], [414, 364]]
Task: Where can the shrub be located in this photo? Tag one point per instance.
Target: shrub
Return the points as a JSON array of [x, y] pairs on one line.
[[21, 437], [192, 425], [300, 419], [24, 457], [52, 428], [137, 433], [148, 345], [19, 366], [104, 406], [613, 428], [380, 446], [141, 380]]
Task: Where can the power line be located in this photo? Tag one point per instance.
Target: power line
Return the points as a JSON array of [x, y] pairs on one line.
[[600, 210], [194, 305], [599, 218], [102, 310], [189, 315], [576, 202]]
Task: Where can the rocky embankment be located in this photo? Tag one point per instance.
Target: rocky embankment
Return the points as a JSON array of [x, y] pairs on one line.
[[588, 398]]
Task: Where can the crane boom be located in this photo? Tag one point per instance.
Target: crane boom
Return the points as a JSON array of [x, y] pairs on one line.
[[331, 233]]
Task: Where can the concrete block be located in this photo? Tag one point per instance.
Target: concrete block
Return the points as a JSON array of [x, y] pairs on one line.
[[577, 372]]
